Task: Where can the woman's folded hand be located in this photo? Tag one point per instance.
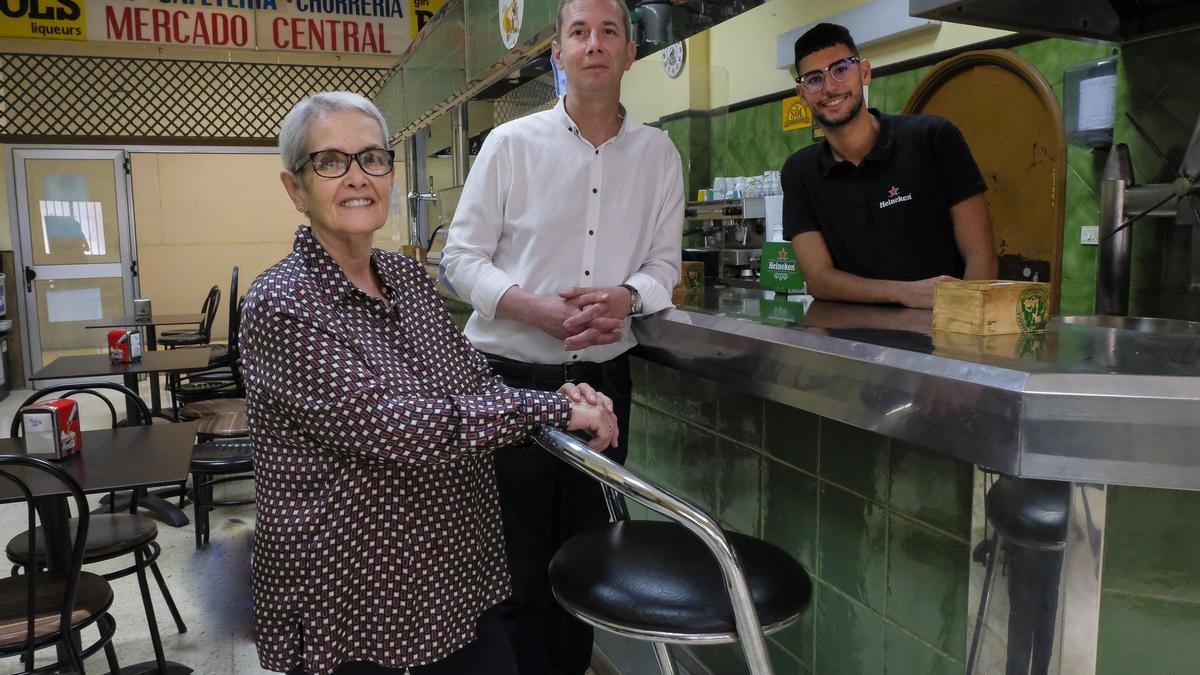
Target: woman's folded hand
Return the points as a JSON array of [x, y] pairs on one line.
[[592, 411]]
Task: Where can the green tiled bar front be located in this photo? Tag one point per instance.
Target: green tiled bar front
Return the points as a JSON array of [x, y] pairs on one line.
[[882, 526]]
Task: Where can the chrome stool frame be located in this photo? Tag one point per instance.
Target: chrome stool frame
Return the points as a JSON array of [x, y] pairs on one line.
[[617, 479]]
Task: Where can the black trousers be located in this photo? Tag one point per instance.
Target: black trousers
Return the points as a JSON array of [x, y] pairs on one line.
[[488, 654], [544, 502]]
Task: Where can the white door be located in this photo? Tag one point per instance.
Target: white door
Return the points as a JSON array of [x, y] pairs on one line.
[[74, 238]]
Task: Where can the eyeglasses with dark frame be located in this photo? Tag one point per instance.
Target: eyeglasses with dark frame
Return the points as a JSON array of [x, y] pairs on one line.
[[335, 163], [814, 80]]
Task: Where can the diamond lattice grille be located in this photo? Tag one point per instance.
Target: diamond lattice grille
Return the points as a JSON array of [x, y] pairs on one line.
[[533, 96], [86, 96]]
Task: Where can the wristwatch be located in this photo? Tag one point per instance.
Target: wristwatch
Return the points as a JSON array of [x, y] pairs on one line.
[[635, 299]]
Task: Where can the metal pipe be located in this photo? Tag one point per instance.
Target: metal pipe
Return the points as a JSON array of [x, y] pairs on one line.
[[415, 169], [460, 144], [420, 192], [1112, 273]]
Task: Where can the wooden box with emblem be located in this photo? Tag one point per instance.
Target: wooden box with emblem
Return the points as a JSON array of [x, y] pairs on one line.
[[991, 307]]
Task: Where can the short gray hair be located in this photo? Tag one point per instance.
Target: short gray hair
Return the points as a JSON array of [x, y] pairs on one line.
[[293, 132], [562, 4]]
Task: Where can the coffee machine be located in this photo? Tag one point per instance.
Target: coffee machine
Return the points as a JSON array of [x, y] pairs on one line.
[[733, 232]]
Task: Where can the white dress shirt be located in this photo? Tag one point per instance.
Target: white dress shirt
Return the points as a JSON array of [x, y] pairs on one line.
[[545, 210]]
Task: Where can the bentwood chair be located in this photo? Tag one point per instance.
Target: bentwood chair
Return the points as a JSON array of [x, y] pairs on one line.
[[682, 582], [182, 338], [220, 390], [48, 609], [109, 535]]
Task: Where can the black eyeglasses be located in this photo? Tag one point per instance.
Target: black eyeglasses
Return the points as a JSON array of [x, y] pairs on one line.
[[335, 163], [813, 81]]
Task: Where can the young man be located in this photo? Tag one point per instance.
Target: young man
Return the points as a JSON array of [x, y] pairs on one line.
[[887, 205], [570, 221]]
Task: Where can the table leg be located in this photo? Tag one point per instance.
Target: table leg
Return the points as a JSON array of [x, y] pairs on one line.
[[130, 380], [54, 514], [155, 506], [151, 345]]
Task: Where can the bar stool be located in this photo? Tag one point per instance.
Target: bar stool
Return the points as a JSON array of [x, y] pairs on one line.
[[216, 461], [1031, 516], [681, 582]]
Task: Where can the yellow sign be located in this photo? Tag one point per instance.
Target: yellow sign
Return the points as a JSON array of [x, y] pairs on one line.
[[44, 19], [796, 115], [421, 11]]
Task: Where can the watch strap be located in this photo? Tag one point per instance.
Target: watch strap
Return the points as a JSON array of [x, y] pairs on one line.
[[635, 299]]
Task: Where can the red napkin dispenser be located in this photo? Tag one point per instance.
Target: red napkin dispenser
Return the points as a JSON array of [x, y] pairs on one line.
[[124, 346], [52, 429]]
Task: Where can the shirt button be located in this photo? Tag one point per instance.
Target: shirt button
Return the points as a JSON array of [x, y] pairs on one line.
[[597, 151], [591, 232], [574, 356], [587, 273], [594, 190]]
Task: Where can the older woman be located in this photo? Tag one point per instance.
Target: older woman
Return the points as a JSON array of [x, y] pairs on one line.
[[378, 542]]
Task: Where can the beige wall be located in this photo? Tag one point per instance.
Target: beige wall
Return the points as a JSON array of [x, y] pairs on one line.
[[197, 215]]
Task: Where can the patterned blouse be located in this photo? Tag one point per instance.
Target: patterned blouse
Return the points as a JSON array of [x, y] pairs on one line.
[[378, 533]]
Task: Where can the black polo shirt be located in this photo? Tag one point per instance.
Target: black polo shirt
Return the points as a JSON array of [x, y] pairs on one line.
[[888, 217]]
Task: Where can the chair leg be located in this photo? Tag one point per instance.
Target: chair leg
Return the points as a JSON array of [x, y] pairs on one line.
[[663, 653], [162, 586], [208, 507], [155, 639], [111, 654], [72, 649], [198, 502], [983, 602]]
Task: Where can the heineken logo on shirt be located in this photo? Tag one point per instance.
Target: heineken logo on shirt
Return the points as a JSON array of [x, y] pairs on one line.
[[894, 197]]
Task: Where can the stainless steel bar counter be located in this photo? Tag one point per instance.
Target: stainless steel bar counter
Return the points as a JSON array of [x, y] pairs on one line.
[[1094, 401], [1091, 400]]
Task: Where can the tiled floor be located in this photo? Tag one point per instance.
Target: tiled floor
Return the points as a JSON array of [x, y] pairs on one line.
[[211, 587]]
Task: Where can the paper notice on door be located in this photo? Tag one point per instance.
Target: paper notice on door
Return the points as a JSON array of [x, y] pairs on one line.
[[1097, 102], [75, 304]]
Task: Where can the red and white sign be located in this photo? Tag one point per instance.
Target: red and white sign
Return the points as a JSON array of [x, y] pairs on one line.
[[341, 26]]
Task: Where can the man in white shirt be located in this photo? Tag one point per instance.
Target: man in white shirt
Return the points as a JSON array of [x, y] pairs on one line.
[[569, 223]]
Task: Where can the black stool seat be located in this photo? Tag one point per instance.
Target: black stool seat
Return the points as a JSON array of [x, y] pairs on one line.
[[109, 535], [657, 576], [225, 455], [1030, 512]]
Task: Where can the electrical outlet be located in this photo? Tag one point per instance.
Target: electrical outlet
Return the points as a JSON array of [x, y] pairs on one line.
[[1089, 235]]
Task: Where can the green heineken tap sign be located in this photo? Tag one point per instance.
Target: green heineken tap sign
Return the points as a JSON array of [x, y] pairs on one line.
[[779, 270]]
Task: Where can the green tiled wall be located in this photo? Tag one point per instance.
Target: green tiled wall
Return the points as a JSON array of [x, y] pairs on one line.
[[1151, 585], [882, 526], [1161, 91]]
